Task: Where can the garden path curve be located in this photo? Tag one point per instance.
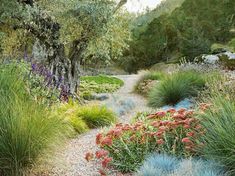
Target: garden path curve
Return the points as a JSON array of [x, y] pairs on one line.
[[70, 161]]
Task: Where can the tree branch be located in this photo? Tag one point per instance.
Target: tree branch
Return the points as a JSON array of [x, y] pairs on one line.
[[120, 4]]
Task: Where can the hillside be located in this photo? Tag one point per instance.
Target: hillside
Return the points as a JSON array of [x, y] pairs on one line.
[[188, 31]]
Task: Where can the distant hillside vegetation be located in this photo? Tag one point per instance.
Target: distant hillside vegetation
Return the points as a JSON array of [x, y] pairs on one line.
[[179, 28]]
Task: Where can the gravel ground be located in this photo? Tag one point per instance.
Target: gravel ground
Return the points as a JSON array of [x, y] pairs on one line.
[[70, 161]]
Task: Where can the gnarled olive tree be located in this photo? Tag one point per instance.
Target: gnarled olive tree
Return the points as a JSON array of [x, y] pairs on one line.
[[63, 28]]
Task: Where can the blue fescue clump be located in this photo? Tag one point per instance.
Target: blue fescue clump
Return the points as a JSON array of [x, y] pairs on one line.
[[186, 103], [164, 165], [159, 165], [121, 106], [199, 167]]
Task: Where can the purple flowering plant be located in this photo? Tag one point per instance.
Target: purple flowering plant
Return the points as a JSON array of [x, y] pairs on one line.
[[43, 85]]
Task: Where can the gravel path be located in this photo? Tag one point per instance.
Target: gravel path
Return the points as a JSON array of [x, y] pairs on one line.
[[70, 161]]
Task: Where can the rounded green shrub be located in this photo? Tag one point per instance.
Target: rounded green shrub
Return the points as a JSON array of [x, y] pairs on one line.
[[96, 116], [27, 130], [175, 88]]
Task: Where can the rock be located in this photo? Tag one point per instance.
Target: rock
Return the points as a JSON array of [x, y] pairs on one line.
[[100, 97], [229, 55], [210, 59], [225, 59]]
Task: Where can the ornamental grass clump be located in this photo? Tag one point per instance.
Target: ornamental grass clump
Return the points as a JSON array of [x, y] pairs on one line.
[[84, 117], [96, 115], [27, 132], [158, 165], [166, 165], [68, 112], [219, 122], [172, 89], [173, 132]]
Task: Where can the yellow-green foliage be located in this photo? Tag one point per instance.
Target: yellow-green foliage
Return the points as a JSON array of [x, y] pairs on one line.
[[96, 116], [81, 117], [68, 111], [217, 46], [229, 46], [232, 44], [78, 124], [12, 40]]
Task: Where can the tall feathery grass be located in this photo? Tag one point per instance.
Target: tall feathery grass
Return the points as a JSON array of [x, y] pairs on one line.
[[175, 88], [26, 132], [219, 121]]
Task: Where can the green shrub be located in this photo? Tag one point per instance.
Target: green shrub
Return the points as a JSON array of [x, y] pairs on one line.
[[26, 132], [219, 122], [217, 83], [96, 116], [175, 88]]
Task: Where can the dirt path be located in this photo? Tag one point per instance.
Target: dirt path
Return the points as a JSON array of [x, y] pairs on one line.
[[70, 161]]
